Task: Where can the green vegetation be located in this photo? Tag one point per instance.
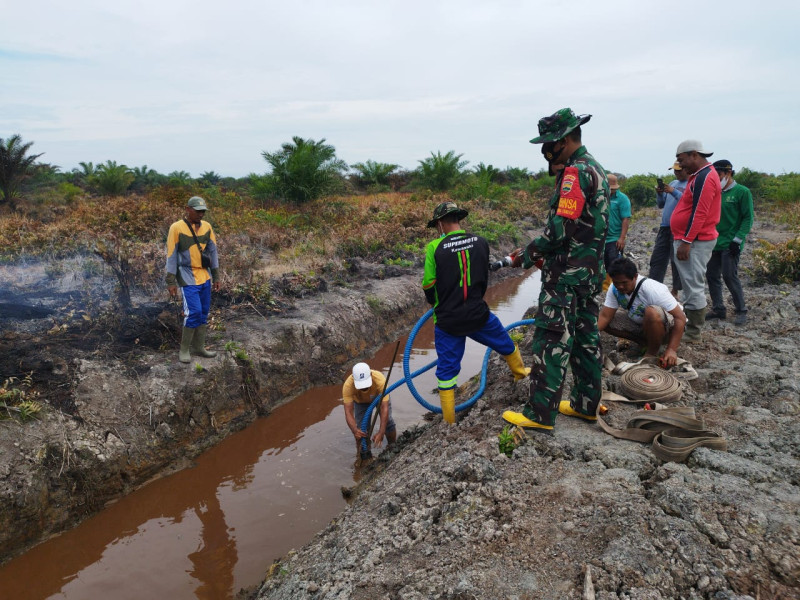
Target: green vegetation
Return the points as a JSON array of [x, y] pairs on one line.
[[541, 182], [290, 222], [374, 303], [374, 175], [641, 189], [777, 263], [15, 165], [17, 401], [482, 183], [302, 171], [441, 172], [517, 336], [495, 232], [509, 439], [112, 179], [236, 350]]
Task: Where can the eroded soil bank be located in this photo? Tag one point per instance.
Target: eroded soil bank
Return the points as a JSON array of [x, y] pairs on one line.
[[119, 407], [449, 516]]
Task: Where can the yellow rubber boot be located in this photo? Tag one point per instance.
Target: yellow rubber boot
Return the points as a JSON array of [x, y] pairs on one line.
[[565, 409], [516, 365], [448, 400], [199, 343], [520, 420]]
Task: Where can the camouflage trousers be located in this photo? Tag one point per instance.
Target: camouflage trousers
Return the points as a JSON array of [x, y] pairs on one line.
[[566, 335]]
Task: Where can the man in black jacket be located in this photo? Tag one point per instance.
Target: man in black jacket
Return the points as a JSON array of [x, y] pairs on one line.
[[455, 280]]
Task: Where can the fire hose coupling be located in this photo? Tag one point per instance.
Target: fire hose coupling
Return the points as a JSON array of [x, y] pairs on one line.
[[506, 261], [516, 259]]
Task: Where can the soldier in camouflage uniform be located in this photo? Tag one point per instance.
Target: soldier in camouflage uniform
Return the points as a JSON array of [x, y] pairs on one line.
[[571, 247]]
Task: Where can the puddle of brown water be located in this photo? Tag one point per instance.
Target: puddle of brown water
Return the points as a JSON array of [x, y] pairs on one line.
[[210, 530]]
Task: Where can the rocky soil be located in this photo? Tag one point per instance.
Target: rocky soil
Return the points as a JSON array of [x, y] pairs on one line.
[[583, 515]]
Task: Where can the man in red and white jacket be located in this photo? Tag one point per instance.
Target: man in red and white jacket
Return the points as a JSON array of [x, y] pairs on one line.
[[694, 231]]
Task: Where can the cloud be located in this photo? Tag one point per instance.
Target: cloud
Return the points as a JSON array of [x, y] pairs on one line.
[[207, 86]]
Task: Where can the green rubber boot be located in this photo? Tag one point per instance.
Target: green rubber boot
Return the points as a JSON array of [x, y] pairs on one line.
[[199, 344], [186, 342], [695, 320]]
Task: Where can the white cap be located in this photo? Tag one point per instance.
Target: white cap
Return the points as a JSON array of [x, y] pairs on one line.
[[362, 376], [692, 146]]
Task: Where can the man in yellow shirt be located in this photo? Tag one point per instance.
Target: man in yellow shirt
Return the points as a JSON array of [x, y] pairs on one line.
[[192, 265], [358, 391]]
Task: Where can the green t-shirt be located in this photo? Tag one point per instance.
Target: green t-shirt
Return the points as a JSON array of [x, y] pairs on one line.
[[619, 208]]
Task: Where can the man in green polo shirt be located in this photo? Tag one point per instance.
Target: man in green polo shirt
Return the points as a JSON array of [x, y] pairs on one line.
[[735, 221]]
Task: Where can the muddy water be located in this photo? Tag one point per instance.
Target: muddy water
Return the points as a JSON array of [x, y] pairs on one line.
[[207, 531]]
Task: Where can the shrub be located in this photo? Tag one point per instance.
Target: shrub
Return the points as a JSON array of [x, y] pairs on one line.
[[69, 191], [540, 182], [783, 188], [777, 263], [641, 189], [480, 185], [494, 232], [750, 179], [18, 400], [516, 177]]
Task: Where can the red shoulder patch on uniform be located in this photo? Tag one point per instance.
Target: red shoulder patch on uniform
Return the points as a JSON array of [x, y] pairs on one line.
[[571, 199]]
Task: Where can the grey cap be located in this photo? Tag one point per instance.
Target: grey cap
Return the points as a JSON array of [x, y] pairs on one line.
[[692, 146], [197, 203]]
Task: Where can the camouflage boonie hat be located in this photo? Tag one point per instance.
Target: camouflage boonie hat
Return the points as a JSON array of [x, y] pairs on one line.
[[446, 208], [557, 125]]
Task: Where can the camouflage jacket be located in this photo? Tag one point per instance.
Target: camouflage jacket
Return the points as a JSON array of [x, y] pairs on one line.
[[573, 239]]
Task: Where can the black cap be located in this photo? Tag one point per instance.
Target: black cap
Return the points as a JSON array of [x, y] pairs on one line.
[[723, 165]]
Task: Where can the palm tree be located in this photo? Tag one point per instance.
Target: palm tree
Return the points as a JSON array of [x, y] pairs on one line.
[[375, 173], [179, 178], [112, 179], [487, 172], [15, 165], [144, 178], [210, 178], [441, 172], [84, 175], [303, 170]]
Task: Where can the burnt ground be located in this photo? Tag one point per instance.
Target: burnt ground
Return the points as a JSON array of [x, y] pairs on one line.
[[447, 515], [118, 408]]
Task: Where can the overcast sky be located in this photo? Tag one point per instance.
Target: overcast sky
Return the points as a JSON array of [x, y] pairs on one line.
[[195, 85]]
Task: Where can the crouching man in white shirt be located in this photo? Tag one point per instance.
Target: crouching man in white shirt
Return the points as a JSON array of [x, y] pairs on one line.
[[642, 310]]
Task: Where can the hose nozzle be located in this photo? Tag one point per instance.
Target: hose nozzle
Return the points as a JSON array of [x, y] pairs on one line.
[[506, 261]]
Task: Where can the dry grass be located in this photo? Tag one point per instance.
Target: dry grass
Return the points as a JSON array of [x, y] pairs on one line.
[[269, 239]]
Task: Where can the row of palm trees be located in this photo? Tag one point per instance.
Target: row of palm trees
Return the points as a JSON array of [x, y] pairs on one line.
[[301, 170]]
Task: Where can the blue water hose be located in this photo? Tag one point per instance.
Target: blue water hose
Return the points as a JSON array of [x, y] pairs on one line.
[[410, 376]]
